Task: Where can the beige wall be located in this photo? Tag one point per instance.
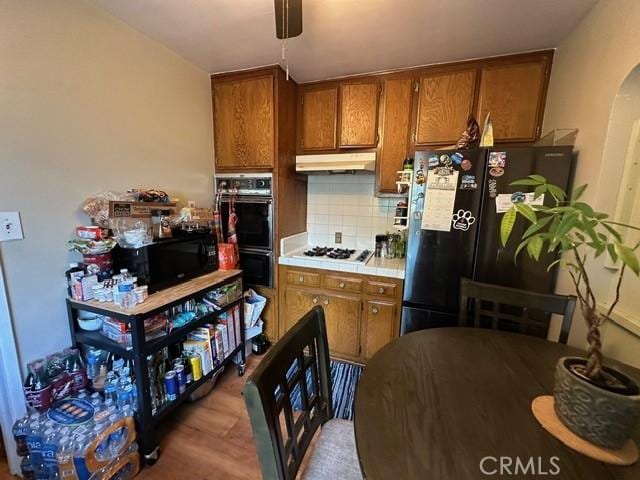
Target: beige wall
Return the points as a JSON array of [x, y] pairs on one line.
[[87, 104], [589, 67]]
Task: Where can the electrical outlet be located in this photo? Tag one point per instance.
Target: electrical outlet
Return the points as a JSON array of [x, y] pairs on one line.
[[10, 226], [338, 237], [191, 203]]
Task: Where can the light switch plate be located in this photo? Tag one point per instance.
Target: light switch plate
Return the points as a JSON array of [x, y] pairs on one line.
[[10, 226], [338, 237]]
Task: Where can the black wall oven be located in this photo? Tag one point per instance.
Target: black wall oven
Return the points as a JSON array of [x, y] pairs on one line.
[[252, 198]]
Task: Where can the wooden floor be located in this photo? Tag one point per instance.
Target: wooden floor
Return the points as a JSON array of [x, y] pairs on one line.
[[209, 439]]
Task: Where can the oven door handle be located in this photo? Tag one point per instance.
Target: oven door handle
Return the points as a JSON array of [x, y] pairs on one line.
[[262, 200]]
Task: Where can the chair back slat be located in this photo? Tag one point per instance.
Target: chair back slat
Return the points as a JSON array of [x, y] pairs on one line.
[[297, 365], [513, 309]]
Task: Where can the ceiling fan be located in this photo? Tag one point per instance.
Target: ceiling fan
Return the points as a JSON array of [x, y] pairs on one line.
[[288, 14]]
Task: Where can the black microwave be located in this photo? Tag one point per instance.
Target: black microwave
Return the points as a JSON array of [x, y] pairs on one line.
[[170, 261]]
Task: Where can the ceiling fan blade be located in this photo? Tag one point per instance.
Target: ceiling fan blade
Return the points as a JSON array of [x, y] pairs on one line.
[[294, 22]]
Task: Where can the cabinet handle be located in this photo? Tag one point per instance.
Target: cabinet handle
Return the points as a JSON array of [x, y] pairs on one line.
[[342, 285], [301, 279], [374, 310], [381, 290], [315, 300], [326, 302]]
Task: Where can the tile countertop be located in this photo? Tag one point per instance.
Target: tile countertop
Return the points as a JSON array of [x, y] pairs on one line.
[[296, 244]]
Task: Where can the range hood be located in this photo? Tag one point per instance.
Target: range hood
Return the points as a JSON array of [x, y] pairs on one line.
[[334, 163]]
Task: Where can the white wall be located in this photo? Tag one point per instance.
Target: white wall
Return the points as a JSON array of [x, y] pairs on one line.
[[589, 67], [345, 203], [87, 104]]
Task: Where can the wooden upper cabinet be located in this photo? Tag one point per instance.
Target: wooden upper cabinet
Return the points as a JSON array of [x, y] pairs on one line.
[[359, 114], [444, 105], [319, 118], [243, 122], [396, 127], [514, 95]]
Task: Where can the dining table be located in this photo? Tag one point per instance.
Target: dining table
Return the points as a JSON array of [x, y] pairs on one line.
[[455, 404]]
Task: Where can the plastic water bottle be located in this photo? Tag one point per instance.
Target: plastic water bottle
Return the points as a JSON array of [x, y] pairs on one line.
[[125, 290], [93, 363], [111, 392], [65, 457], [96, 401], [116, 439], [34, 442], [20, 429], [49, 452]]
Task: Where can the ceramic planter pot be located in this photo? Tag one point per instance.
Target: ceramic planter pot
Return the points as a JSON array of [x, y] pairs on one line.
[[601, 416]]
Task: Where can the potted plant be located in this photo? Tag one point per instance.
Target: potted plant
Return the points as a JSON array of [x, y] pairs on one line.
[[596, 402]]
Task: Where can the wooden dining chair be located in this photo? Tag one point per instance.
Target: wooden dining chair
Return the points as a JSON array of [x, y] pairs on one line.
[[299, 363], [483, 305]]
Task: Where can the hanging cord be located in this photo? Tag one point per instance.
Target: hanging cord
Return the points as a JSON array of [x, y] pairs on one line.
[[285, 32]]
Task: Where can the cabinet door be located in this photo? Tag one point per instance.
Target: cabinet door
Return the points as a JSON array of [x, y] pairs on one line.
[[513, 95], [298, 302], [444, 106], [359, 114], [342, 315], [396, 127], [381, 325], [319, 118], [243, 122]]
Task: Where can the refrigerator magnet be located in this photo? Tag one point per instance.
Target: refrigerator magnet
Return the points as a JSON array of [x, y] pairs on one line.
[[434, 161], [466, 165], [457, 158], [420, 179], [468, 182], [493, 188], [518, 197], [497, 159], [462, 220], [496, 171], [445, 160]]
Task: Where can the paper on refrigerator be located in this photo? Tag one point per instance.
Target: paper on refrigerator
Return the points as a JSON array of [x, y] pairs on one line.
[[504, 201], [439, 199]]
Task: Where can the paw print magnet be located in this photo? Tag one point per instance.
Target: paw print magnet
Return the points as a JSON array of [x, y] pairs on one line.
[[462, 220]]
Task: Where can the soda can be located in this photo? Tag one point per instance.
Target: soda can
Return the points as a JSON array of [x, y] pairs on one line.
[[171, 386], [182, 378], [196, 367]]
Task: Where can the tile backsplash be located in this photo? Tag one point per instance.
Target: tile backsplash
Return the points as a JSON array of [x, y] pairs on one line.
[[346, 204]]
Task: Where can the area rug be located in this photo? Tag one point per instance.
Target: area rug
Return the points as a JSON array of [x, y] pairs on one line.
[[344, 379]]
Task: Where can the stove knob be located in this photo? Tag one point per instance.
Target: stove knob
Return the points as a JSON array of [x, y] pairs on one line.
[[261, 183]]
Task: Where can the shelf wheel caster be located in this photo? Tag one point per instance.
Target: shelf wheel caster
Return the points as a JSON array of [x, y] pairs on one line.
[[241, 369], [152, 458]]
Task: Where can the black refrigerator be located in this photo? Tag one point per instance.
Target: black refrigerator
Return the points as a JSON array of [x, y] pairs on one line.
[[438, 255]]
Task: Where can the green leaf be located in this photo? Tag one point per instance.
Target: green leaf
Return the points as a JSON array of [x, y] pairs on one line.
[[553, 264], [612, 252], [525, 181], [534, 247], [557, 192], [584, 208], [537, 226], [612, 231], [539, 191], [628, 257], [598, 247], [601, 216], [506, 226], [566, 224], [519, 249], [577, 192], [526, 211], [538, 178]]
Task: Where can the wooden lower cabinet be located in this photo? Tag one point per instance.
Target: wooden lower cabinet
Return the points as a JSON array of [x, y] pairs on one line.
[[342, 316], [381, 324], [359, 321]]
